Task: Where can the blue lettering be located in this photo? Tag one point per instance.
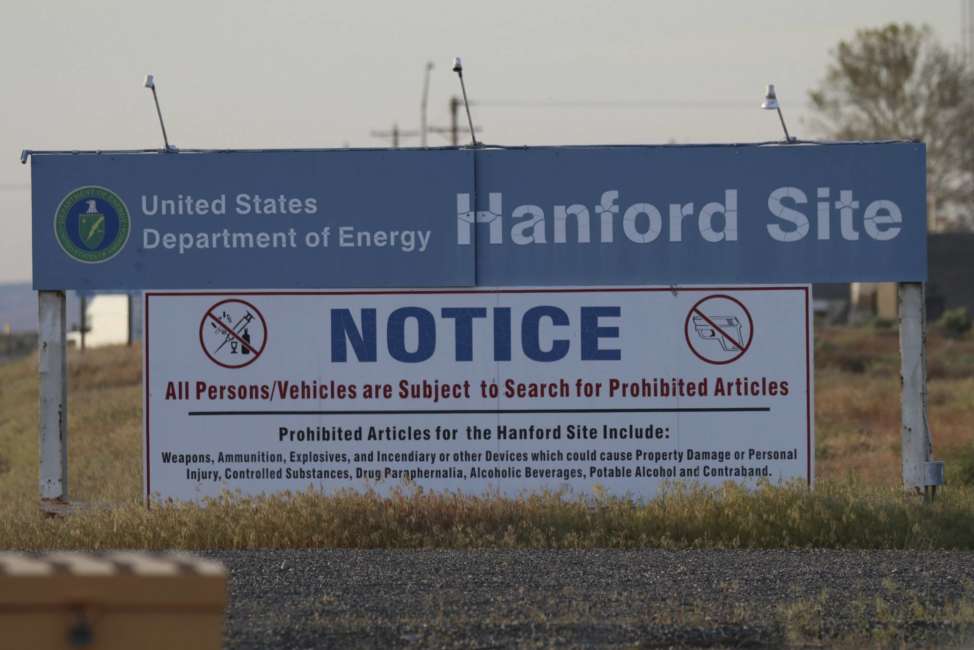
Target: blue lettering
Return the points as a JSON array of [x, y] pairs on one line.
[[344, 330], [396, 334], [592, 333], [595, 333], [530, 333], [502, 334], [463, 328]]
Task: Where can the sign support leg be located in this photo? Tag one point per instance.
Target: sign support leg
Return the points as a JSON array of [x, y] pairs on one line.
[[920, 474], [53, 399], [83, 319]]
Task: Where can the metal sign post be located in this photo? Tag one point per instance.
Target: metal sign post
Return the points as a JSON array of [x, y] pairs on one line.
[[920, 473], [53, 399]]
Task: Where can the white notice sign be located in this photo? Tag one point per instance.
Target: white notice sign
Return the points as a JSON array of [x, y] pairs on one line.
[[514, 390]]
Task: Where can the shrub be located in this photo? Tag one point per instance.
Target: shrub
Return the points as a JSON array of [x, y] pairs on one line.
[[882, 324], [961, 466], [955, 322]]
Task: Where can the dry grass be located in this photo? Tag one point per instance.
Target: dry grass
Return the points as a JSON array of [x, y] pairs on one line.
[[104, 418], [857, 417], [857, 438], [833, 516], [892, 618]]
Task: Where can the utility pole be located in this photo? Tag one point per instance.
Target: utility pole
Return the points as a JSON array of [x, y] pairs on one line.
[[423, 126], [454, 130], [394, 134]]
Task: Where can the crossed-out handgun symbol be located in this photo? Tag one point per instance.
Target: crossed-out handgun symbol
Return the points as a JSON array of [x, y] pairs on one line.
[[730, 334]]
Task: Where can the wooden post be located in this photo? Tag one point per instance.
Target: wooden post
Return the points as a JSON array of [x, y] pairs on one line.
[[52, 315], [920, 474]]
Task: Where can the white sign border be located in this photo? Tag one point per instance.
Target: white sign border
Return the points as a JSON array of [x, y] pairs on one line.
[[805, 288]]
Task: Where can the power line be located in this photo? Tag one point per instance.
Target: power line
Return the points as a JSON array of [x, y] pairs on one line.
[[620, 104], [556, 103], [453, 131]]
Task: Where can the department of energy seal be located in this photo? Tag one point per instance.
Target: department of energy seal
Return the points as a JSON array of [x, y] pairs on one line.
[[92, 224]]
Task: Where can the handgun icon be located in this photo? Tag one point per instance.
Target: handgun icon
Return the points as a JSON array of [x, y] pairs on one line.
[[730, 327]]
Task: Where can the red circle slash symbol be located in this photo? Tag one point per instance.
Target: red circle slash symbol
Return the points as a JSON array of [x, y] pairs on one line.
[[233, 333], [719, 329]]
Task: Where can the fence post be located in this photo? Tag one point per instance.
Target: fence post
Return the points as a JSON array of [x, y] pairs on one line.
[[51, 308], [920, 474]]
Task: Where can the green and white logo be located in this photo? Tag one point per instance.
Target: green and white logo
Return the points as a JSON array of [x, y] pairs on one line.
[[92, 224]]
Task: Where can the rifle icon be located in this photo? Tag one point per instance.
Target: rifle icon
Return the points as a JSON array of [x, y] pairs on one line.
[[730, 327]]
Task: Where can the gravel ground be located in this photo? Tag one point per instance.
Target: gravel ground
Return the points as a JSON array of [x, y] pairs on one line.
[[596, 599]]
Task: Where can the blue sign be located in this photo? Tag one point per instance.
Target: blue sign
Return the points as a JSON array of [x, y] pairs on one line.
[[699, 214], [281, 219], [487, 217]]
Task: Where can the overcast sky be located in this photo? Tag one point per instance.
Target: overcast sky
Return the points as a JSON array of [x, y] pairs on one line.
[[311, 73]]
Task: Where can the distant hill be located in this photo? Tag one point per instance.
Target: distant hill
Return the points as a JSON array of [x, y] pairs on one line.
[[18, 308]]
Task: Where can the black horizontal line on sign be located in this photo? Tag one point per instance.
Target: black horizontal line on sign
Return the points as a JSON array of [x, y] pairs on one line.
[[721, 409]]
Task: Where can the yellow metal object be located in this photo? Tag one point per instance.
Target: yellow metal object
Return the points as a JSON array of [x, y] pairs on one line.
[[111, 601]]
